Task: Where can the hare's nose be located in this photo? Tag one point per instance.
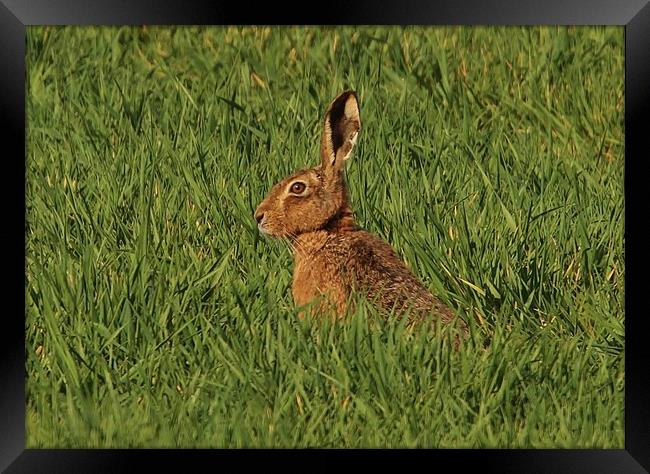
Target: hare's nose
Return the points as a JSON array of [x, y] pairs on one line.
[[259, 216]]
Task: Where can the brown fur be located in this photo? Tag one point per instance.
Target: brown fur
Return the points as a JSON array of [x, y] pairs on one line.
[[333, 257]]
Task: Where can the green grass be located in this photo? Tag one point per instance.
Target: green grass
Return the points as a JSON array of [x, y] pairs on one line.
[[157, 316]]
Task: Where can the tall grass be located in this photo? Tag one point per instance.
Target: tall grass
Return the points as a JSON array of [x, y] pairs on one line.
[[157, 316]]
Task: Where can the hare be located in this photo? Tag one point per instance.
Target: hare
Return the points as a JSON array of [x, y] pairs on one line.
[[333, 256]]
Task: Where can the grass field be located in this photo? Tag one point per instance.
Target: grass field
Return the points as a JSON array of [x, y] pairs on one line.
[[157, 315]]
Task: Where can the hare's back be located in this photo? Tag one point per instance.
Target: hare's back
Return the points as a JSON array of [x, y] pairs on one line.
[[382, 274]]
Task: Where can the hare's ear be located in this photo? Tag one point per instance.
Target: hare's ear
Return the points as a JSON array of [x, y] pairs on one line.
[[342, 124]]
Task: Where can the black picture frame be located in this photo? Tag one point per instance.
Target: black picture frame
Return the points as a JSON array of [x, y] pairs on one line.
[[634, 15]]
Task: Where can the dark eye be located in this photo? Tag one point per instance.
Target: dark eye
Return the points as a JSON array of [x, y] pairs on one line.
[[297, 187]]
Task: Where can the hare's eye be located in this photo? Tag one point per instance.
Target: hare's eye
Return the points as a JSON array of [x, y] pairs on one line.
[[298, 187]]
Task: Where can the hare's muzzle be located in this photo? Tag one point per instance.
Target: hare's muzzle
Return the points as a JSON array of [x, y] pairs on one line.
[[259, 217]]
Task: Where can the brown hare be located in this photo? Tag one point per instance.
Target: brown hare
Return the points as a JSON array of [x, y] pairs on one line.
[[334, 257]]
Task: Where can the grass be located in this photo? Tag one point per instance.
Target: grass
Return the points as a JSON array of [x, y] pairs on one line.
[[157, 316]]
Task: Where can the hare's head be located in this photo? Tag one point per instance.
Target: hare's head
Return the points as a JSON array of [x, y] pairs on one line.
[[311, 199]]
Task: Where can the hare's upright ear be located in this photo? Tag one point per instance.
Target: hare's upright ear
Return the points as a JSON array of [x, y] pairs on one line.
[[342, 124]]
